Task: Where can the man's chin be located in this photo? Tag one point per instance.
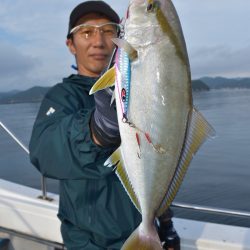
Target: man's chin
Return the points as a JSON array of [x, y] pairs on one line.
[[98, 69]]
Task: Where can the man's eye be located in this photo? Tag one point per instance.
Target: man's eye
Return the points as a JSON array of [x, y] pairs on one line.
[[109, 31], [87, 31]]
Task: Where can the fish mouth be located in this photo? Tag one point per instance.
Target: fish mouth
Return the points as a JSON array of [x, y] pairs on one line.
[[138, 1]]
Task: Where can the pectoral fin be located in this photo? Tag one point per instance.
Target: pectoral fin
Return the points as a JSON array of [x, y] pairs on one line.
[[132, 52], [106, 81], [116, 159], [198, 130]]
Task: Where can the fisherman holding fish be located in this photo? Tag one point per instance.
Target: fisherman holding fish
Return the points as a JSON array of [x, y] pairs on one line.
[[75, 133]]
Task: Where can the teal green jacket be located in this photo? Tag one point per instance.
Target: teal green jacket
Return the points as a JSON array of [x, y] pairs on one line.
[[91, 196]]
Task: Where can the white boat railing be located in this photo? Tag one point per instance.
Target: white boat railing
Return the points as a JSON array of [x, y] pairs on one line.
[[219, 211], [15, 138], [13, 233], [174, 204], [43, 196]]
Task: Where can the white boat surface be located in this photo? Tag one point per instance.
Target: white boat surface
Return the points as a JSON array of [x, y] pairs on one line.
[[31, 223]]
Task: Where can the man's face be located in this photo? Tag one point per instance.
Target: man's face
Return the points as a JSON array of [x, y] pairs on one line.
[[93, 53]]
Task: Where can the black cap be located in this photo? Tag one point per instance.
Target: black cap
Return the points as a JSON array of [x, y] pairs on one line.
[[91, 7]]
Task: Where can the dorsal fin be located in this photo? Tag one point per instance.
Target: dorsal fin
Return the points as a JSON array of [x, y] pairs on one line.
[[198, 130]]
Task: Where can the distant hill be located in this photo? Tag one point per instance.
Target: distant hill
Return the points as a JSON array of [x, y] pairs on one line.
[[221, 82], [8, 94], [198, 85], [34, 94]]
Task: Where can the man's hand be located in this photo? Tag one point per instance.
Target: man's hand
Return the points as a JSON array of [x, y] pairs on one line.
[[104, 124], [167, 233]]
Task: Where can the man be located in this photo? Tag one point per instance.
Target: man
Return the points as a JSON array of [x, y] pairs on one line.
[[75, 133]]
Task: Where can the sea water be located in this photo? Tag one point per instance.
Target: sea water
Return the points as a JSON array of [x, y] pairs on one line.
[[217, 177]]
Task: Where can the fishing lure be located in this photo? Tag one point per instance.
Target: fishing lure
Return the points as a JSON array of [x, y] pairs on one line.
[[123, 78]]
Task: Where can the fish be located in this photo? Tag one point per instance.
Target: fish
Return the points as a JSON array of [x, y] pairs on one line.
[[160, 128]]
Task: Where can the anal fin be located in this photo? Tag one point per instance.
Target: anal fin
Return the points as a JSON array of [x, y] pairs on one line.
[[116, 159]]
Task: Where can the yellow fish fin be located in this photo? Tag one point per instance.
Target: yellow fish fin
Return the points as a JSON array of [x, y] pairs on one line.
[[116, 159], [105, 81], [198, 130], [121, 43], [139, 241]]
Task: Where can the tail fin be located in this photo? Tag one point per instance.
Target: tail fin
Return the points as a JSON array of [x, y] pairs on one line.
[[140, 241]]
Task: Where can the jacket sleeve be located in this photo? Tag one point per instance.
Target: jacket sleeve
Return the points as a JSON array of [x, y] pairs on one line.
[[61, 146]]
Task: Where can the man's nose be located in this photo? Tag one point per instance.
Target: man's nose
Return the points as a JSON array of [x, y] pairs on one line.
[[99, 39]]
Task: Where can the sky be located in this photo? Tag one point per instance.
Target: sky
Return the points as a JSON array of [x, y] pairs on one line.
[[33, 34]]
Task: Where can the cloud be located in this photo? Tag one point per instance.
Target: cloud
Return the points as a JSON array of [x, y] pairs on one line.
[[217, 36], [14, 61], [220, 60], [33, 50], [43, 18], [15, 66]]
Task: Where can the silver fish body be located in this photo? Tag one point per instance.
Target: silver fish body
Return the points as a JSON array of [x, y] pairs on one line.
[[160, 103], [160, 130]]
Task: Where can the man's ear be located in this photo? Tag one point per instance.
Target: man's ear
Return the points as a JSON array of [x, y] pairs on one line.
[[71, 46]]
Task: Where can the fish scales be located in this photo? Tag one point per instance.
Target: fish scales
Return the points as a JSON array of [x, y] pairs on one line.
[[160, 129], [161, 121]]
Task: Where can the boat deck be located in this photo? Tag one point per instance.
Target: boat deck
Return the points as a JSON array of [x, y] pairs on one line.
[[23, 216]]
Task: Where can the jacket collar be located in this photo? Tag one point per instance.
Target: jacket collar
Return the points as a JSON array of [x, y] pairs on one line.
[[85, 81]]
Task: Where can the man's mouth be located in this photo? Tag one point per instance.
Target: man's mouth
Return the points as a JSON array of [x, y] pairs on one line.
[[99, 56]]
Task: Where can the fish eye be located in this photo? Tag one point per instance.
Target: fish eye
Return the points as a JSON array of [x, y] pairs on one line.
[[153, 6], [150, 7]]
